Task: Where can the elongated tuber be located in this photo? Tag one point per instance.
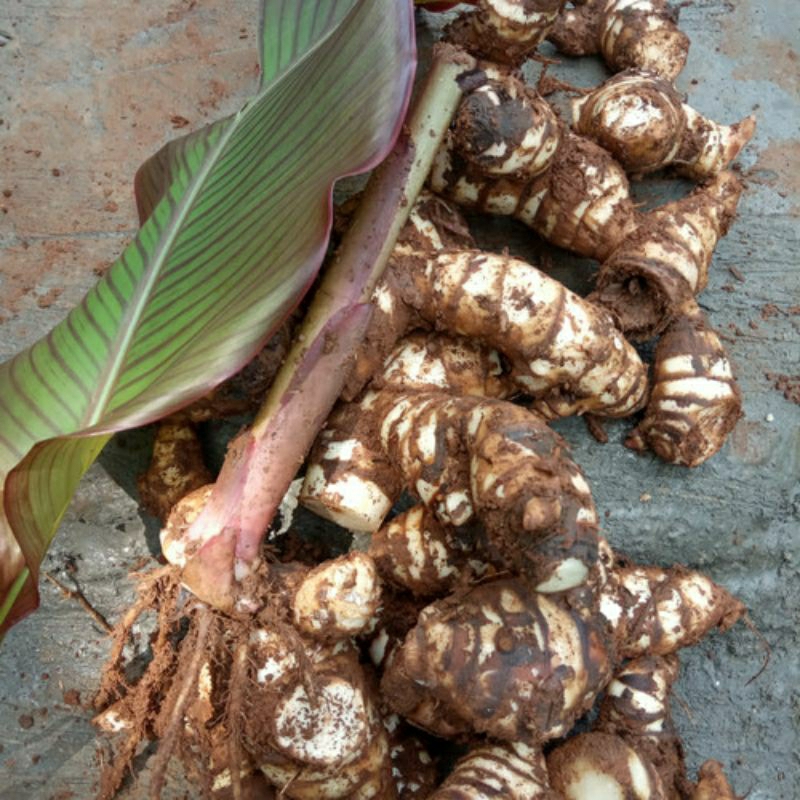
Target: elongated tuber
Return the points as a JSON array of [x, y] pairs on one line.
[[655, 611], [467, 459], [506, 31], [641, 120], [532, 167], [628, 33], [665, 262], [176, 467], [695, 401], [561, 350]]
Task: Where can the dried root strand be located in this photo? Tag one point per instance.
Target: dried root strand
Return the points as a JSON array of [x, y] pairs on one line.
[[629, 34], [641, 120], [467, 459], [505, 31], [498, 772], [566, 188], [695, 401], [665, 263], [516, 664], [183, 691]]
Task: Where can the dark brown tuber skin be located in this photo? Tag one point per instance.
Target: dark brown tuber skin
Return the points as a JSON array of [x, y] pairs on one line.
[[470, 460], [498, 772], [638, 34], [176, 467], [665, 262], [505, 31], [499, 659], [565, 187], [695, 401], [522, 666]]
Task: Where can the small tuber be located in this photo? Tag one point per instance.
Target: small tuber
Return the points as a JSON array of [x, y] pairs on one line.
[[642, 121], [695, 401], [628, 33]]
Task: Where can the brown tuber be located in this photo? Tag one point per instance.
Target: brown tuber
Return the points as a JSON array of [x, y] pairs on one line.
[[695, 401], [665, 262], [533, 168], [562, 350], [643, 122], [628, 33], [176, 467], [498, 772], [506, 31], [633, 749], [522, 666], [470, 460]]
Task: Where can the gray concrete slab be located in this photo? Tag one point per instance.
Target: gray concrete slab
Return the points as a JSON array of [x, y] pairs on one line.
[[78, 76]]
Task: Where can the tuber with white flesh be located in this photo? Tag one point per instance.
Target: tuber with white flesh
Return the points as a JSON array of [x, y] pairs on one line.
[[561, 350], [629, 34], [695, 401], [665, 263], [506, 31], [642, 121]]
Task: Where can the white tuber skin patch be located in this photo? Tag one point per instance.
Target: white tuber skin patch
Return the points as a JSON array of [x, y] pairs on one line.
[[352, 501], [330, 731], [339, 598]]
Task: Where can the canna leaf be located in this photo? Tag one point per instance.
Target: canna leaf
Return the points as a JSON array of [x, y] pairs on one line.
[[237, 217]]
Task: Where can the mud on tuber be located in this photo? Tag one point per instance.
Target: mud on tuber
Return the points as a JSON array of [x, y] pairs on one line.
[[492, 612]]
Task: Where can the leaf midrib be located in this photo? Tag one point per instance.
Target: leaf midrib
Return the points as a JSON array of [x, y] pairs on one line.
[[99, 401]]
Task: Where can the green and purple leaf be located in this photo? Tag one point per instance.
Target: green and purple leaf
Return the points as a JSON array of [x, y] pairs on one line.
[[237, 218]]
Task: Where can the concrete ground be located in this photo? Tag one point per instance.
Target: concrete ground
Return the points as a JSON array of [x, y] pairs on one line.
[[88, 90]]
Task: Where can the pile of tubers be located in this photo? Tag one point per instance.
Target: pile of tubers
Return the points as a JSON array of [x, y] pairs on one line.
[[491, 612]]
